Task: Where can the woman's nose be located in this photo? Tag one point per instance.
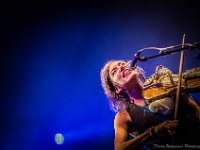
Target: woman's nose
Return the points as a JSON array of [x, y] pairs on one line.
[[122, 68]]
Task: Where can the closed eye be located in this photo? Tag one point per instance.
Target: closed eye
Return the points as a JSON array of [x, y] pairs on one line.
[[113, 71]]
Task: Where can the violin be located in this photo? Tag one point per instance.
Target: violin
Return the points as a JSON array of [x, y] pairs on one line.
[[163, 83]]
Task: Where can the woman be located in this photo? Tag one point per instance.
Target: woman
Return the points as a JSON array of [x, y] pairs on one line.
[[123, 87]]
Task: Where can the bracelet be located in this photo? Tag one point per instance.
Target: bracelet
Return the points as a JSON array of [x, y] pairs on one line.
[[152, 131]]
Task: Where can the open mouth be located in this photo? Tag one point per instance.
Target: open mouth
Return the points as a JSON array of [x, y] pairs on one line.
[[126, 72]]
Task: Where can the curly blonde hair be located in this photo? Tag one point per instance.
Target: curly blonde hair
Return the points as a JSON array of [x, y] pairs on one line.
[[117, 101]]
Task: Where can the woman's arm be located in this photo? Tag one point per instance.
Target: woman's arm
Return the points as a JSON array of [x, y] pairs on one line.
[[121, 133]]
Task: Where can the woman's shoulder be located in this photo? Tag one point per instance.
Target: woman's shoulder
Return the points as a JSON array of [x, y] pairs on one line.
[[122, 115], [123, 119]]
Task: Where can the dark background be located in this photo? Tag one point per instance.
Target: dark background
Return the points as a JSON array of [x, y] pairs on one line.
[[52, 54]]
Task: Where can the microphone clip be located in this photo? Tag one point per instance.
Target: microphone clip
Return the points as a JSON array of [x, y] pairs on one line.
[[134, 60]]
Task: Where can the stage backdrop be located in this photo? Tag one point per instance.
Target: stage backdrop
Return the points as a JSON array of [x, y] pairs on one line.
[[51, 57]]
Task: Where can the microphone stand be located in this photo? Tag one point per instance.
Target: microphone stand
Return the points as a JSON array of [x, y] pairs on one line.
[[169, 51]]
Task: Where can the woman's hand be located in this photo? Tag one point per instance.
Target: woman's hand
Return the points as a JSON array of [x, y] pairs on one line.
[[166, 128]]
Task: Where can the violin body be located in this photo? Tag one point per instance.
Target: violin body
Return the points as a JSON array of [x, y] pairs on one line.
[[163, 83]]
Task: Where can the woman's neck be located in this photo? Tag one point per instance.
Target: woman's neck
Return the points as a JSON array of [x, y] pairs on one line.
[[140, 102], [136, 96]]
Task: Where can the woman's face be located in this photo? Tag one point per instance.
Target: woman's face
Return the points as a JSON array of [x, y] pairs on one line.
[[123, 76]]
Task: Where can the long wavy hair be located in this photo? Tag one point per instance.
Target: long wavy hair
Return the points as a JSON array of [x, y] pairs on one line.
[[117, 101]]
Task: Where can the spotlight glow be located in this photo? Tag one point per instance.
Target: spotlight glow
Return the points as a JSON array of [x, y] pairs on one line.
[[59, 138]]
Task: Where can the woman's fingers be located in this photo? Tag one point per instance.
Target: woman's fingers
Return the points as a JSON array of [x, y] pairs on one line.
[[167, 127]]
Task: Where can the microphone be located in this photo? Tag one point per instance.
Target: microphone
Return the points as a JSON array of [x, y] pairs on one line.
[[134, 60]]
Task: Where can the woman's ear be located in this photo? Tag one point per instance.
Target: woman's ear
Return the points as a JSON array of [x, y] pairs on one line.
[[118, 89]]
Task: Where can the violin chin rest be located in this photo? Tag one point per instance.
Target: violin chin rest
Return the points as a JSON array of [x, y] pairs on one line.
[[163, 106]]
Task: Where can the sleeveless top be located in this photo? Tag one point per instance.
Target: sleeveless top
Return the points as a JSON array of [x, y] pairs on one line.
[[144, 119]]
